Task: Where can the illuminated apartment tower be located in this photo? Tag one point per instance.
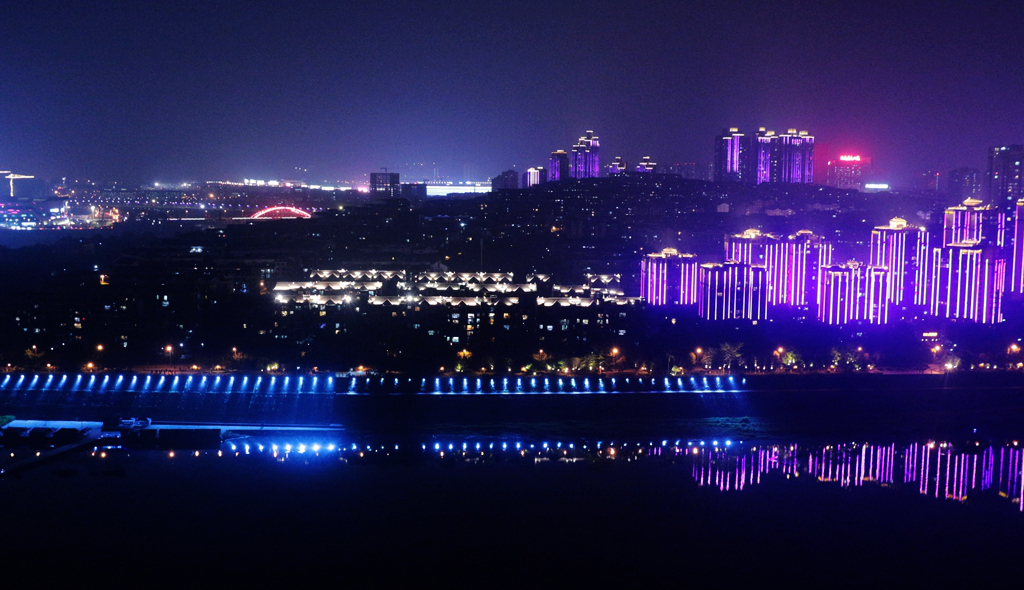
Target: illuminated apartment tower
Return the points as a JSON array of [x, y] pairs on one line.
[[646, 166], [586, 157], [803, 258], [967, 283], [669, 278], [1017, 272], [730, 156], [969, 271], [902, 250], [876, 295], [792, 157], [758, 249], [973, 223], [731, 291], [840, 298], [534, 176], [759, 159], [618, 166], [1006, 176], [558, 165]]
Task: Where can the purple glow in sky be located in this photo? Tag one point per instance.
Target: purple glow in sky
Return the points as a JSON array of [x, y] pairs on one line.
[[201, 90]]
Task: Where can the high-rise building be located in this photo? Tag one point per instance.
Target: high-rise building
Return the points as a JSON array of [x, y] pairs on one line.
[[558, 165], [804, 256], [764, 157], [415, 193], [973, 223], [848, 171], [586, 157], [1017, 271], [1006, 176], [646, 166], [730, 156], [968, 282], [840, 298], [508, 179], [758, 167], [534, 176], [385, 184], [731, 291], [876, 295], [902, 250], [669, 278], [760, 249], [968, 273], [792, 157], [618, 166], [965, 183]]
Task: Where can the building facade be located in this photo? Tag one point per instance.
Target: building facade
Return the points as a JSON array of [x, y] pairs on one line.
[[585, 161]]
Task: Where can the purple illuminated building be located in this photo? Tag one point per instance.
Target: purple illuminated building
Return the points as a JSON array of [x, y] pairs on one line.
[[876, 295], [759, 249], [760, 158], [968, 273], [967, 283], [731, 291], [534, 176], [902, 250], [646, 166], [803, 258], [840, 298], [973, 223], [558, 166], [669, 278], [792, 157], [1017, 272], [730, 156], [764, 157], [586, 157], [618, 166]]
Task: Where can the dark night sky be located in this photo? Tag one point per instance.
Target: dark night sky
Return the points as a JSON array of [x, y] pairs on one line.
[[226, 90]]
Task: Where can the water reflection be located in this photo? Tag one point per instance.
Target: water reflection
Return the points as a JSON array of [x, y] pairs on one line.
[[932, 468]]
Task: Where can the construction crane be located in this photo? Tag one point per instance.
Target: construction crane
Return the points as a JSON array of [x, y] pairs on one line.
[[13, 177]]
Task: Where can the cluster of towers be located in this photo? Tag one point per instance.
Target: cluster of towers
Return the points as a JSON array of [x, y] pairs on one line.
[[584, 161], [905, 277], [765, 156]]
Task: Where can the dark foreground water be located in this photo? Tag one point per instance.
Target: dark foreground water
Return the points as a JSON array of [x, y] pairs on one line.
[[882, 483], [338, 509]]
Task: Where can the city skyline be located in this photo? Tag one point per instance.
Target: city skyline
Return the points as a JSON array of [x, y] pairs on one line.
[[147, 94]]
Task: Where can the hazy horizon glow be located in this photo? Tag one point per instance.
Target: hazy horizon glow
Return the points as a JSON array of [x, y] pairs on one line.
[[203, 91]]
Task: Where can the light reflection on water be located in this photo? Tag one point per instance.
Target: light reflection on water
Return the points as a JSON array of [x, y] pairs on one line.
[[933, 468]]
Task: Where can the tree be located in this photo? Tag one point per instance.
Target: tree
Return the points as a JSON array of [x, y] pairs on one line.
[[731, 354]]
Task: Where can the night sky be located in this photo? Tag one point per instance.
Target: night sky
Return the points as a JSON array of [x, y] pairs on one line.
[[227, 90]]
